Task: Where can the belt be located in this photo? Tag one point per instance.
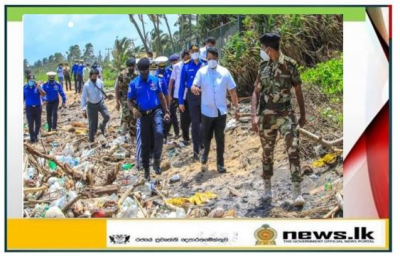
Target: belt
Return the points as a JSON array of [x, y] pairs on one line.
[[34, 106], [278, 106], [95, 103], [148, 112]]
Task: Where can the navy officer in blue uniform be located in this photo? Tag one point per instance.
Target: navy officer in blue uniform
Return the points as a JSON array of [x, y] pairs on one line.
[[147, 92], [53, 90], [188, 73], [33, 106]]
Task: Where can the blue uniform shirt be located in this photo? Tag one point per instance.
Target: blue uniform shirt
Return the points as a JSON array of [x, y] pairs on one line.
[[167, 74], [163, 84], [31, 96], [75, 69], [145, 92], [52, 90], [188, 74], [79, 70]]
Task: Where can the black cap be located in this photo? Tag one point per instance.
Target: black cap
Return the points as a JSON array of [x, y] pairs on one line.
[[271, 40], [31, 76], [94, 71], [143, 64], [131, 62]]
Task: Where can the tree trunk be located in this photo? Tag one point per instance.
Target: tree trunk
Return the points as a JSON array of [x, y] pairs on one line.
[[158, 34], [169, 32], [132, 19]]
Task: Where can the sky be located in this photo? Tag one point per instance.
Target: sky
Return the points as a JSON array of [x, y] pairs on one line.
[[45, 35]]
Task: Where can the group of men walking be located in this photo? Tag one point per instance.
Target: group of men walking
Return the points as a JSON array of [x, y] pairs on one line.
[[196, 84]]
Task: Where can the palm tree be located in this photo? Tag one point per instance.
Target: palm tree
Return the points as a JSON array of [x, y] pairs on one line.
[[121, 52], [156, 23], [132, 19], [169, 30]]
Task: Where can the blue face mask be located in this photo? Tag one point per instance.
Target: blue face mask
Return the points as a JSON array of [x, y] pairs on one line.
[[31, 83]]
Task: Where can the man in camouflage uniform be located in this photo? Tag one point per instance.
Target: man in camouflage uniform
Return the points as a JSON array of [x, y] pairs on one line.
[[121, 92], [272, 94]]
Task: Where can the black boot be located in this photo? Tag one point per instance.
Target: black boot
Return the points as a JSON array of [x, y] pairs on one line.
[[156, 167], [221, 169], [147, 174]]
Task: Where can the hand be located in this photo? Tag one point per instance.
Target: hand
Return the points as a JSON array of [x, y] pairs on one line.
[[255, 123], [195, 90], [84, 114], [182, 108], [64, 105], [302, 121], [167, 117], [136, 113], [237, 115], [118, 106], [44, 103]]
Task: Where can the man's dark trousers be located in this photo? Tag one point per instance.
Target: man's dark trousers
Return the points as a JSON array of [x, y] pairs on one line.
[[185, 121], [194, 102], [93, 116], [33, 115], [173, 121], [210, 126], [151, 125], [75, 80], [51, 112]]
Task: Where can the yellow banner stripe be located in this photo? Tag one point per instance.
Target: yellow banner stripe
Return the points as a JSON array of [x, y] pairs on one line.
[[56, 234]]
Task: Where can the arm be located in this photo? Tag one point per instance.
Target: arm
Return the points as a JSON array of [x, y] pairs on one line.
[[164, 87], [182, 86], [117, 95], [235, 102], [170, 86], [61, 92], [300, 101], [164, 106], [195, 88], [84, 98], [254, 104], [41, 92]]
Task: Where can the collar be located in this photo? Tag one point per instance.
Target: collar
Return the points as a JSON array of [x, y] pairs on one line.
[[141, 80], [281, 59]]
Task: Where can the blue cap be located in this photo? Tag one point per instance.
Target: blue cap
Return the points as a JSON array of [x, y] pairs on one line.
[[174, 57]]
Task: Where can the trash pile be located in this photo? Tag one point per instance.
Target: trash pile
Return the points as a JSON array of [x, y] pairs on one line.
[[65, 176]]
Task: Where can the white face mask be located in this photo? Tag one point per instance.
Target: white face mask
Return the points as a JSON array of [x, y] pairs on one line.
[[212, 64], [195, 55], [264, 55]]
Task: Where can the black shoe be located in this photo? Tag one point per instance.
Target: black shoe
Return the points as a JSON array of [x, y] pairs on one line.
[[176, 137], [186, 142], [156, 167], [221, 169], [195, 157], [147, 174]]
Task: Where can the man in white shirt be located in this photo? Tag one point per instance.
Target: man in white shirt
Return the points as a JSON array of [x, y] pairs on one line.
[[209, 43], [213, 81], [173, 90], [92, 103]]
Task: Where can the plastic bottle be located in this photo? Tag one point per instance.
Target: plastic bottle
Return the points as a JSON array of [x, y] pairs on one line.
[[180, 213], [127, 166], [31, 172], [119, 155], [328, 184], [52, 165]]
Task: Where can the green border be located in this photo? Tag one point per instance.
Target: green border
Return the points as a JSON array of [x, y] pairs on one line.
[[355, 13], [349, 13]]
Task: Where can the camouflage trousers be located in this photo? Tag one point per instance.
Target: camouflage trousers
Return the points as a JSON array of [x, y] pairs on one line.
[[128, 118], [270, 123]]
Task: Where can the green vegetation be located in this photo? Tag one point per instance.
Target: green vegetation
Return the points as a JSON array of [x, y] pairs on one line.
[[327, 75]]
